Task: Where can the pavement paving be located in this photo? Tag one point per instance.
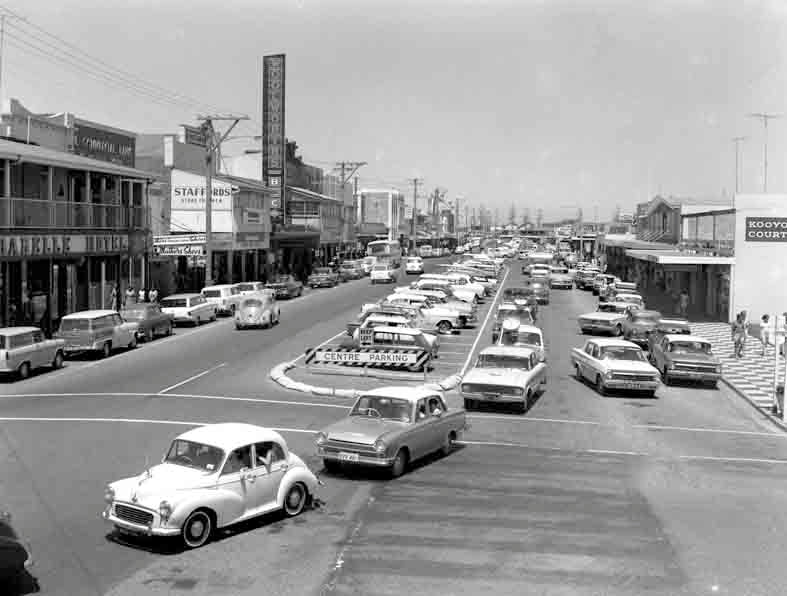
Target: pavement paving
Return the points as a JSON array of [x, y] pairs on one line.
[[583, 494]]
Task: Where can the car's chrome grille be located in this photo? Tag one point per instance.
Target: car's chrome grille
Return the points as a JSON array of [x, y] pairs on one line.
[[704, 368], [631, 377], [133, 515], [484, 388], [337, 445]]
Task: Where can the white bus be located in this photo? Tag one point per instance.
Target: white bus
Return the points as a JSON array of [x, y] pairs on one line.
[[385, 251]]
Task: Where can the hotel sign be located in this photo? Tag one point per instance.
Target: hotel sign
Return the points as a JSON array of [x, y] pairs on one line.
[[104, 145], [273, 134], [766, 229], [61, 245]]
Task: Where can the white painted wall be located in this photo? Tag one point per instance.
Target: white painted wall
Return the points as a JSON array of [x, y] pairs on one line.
[[759, 281]]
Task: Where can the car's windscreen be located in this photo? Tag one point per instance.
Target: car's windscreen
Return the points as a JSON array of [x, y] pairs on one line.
[[75, 325], [380, 268], [173, 303], [134, 314], [282, 279], [499, 361], [246, 287], [520, 338], [647, 317], [608, 308], [194, 455], [389, 408], [622, 353], [252, 303], [689, 347], [211, 293], [322, 271]]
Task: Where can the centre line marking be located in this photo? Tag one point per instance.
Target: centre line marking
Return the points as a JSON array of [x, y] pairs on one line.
[[192, 378], [486, 320], [712, 430], [185, 396], [528, 419], [327, 341]]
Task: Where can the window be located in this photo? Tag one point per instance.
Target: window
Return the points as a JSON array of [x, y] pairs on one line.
[[268, 453], [383, 338], [116, 320], [405, 339], [173, 303], [38, 336], [421, 410], [238, 459], [435, 404]]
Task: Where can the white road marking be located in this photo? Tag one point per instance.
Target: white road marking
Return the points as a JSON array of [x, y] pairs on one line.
[[486, 320], [743, 460], [712, 430], [529, 419], [185, 396], [327, 341], [192, 378]]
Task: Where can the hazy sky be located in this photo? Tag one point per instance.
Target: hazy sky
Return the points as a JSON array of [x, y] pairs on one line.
[[551, 105]]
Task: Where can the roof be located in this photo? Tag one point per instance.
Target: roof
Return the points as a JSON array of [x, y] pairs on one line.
[[619, 295], [44, 156], [312, 195], [507, 351], [231, 435], [90, 314], [612, 341], [387, 316], [647, 312], [219, 286], [676, 257], [399, 330], [17, 330], [411, 394], [679, 337]]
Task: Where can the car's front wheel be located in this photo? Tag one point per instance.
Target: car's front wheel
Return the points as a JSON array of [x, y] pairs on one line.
[[197, 529], [400, 463], [295, 499]]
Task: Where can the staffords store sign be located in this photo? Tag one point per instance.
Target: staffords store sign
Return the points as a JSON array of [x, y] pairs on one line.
[[61, 245], [766, 229]]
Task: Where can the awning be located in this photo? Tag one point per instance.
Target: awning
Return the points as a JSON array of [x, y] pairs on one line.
[[675, 257], [34, 154]]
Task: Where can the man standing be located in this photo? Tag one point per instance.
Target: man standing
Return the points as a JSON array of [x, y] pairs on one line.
[[683, 303]]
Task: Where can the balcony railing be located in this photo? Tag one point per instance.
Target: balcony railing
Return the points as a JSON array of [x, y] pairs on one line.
[[23, 214]]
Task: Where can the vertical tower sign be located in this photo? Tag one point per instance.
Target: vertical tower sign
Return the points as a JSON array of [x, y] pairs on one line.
[[273, 139]]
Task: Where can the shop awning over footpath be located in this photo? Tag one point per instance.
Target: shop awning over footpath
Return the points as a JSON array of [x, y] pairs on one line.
[[677, 257], [22, 153]]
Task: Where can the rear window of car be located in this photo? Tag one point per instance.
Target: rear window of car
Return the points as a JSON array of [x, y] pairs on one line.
[[173, 303], [75, 325], [211, 293], [380, 268], [252, 303], [246, 287], [136, 313]]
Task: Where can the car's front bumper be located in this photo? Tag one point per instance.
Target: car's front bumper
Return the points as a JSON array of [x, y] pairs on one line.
[[362, 458], [495, 399], [322, 283], [595, 328], [631, 385], [151, 529], [694, 375]]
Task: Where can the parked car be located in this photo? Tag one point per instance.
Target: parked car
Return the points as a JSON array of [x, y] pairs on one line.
[[686, 358], [383, 273], [441, 318], [286, 286], [249, 287], [505, 375], [414, 265], [601, 280], [607, 319], [258, 310], [446, 286], [99, 331], [391, 427], [211, 477], [635, 300], [668, 326], [323, 277], [615, 364], [391, 332], [445, 300], [367, 263], [15, 555], [193, 309], [25, 349], [508, 311], [559, 277], [150, 319], [225, 297], [638, 325]]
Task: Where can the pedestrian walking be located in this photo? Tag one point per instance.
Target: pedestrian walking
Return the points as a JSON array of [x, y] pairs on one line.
[[116, 297], [142, 294], [131, 295], [739, 328], [765, 332], [683, 303], [153, 295]]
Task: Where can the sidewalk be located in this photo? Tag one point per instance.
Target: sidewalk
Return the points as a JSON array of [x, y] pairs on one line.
[[751, 375]]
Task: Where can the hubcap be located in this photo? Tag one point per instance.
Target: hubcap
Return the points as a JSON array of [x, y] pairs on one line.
[[197, 528], [295, 498]]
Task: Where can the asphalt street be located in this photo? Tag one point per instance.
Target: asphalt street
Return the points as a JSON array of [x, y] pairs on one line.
[[583, 494]]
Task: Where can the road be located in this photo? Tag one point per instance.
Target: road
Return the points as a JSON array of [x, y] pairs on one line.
[[683, 494]]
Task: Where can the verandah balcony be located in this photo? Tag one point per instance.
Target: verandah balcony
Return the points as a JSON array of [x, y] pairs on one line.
[[21, 214]]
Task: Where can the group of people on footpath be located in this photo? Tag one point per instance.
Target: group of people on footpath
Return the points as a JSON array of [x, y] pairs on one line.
[[131, 296], [772, 333]]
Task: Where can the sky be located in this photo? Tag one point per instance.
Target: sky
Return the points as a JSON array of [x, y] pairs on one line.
[[551, 105]]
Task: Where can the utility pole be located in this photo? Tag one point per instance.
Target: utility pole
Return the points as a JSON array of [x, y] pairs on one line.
[[415, 182], [765, 117], [348, 168], [737, 141], [212, 144]]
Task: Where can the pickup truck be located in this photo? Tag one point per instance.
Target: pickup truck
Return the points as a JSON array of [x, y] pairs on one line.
[[390, 428], [614, 364]]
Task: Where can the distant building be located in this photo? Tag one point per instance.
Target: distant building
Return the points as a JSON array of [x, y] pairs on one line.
[[381, 213]]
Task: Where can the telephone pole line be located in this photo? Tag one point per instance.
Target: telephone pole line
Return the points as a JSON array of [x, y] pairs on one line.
[[737, 141], [347, 169], [213, 142], [415, 182], [765, 117], [3, 17]]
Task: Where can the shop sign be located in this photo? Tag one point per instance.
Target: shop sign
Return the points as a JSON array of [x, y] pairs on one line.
[[179, 239], [766, 229], [180, 250], [195, 135], [104, 145], [252, 217], [273, 135], [188, 192], [61, 245]]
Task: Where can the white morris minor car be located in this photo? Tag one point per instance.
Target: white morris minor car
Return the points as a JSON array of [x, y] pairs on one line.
[[211, 477], [615, 364], [505, 375]]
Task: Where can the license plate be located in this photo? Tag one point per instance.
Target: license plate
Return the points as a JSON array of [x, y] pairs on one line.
[[491, 396], [633, 386], [344, 456]]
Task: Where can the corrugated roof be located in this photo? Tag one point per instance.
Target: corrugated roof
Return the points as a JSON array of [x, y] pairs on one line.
[[50, 157]]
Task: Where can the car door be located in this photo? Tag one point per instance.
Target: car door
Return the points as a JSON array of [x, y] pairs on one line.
[[539, 373], [440, 423], [269, 467], [583, 359], [420, 439], [237, 477], [40, 352], [121, 334]]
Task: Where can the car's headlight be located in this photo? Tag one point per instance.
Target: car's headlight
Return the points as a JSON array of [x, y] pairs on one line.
[[608, 374], [109, 494], [518, 391], [321, 438], [380, 446], [718, 368], [164, 510]]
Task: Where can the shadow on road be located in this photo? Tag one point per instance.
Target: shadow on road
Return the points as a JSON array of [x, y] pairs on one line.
[[24, 583]]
